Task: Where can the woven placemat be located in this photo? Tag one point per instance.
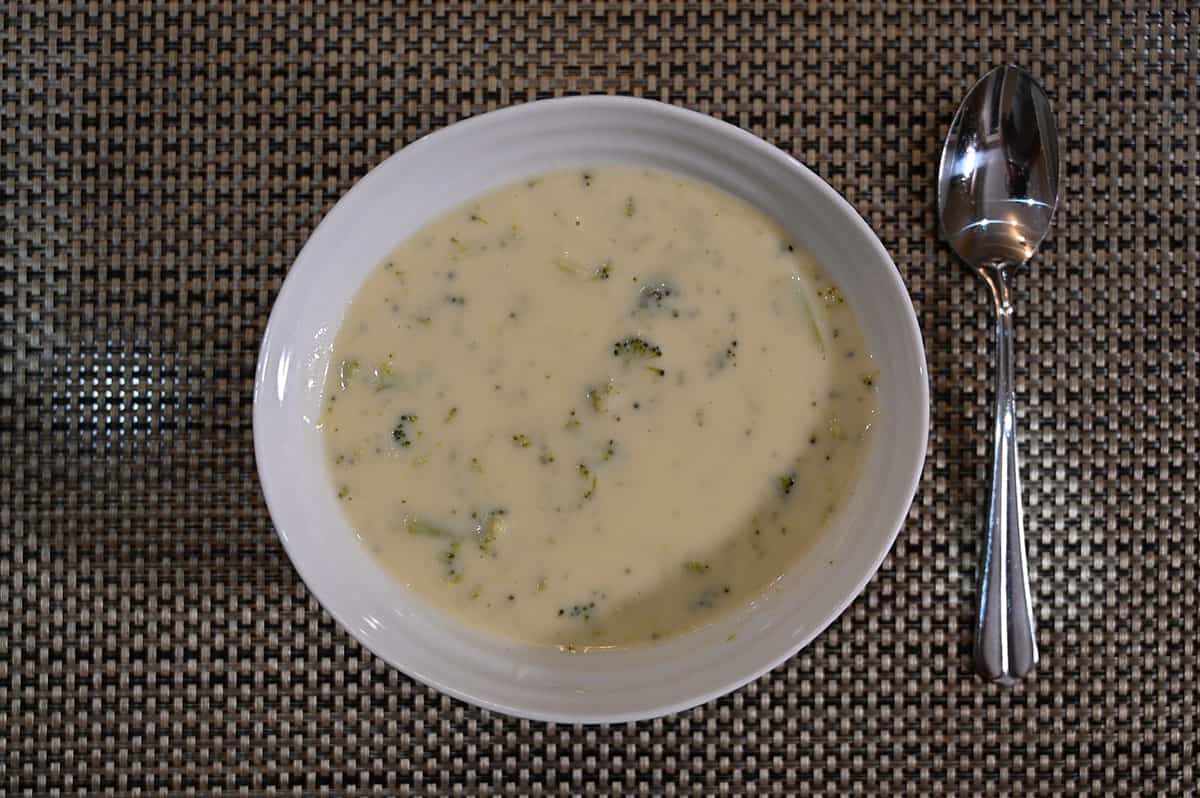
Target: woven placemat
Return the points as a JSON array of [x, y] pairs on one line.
[[162, 164]]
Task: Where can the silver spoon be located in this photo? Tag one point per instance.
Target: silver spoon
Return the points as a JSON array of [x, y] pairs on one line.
[[997, 191]]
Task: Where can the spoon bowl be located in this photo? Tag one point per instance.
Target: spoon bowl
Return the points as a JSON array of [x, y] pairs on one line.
[[997, 191], [998, 180]]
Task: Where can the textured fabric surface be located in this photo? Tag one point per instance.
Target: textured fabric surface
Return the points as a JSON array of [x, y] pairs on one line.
[[162, 164]]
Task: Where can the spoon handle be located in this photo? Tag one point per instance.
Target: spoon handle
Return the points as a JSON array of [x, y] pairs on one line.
[[1005, 639]]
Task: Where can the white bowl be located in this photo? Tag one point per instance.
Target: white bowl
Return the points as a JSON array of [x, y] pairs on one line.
[[442, 171]]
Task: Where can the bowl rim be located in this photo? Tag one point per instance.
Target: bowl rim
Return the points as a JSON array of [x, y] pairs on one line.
[[272, 489]]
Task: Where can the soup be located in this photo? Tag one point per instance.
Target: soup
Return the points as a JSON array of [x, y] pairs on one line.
[[596, 408]]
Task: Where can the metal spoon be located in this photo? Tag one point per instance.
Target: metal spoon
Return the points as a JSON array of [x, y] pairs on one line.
[[997, 191]]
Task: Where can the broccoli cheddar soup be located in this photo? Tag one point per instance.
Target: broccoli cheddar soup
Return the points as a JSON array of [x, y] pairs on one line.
[[596, 408]]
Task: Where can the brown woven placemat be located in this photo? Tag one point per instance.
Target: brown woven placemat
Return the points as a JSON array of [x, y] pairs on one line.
[[163, 163]]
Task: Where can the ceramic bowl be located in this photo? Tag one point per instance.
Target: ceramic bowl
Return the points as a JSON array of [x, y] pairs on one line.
[[442, 171]]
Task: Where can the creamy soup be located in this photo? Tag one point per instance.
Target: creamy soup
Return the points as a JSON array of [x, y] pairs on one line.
[[596, 408]]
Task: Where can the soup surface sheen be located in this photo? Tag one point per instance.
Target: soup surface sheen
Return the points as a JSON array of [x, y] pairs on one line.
[[596, 408]]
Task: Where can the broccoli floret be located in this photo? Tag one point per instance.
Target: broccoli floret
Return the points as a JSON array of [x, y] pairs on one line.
[[401, 433], [634, 347]]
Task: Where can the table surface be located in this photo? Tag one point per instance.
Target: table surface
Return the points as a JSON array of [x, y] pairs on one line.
[[161, 166]]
